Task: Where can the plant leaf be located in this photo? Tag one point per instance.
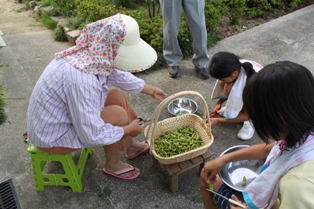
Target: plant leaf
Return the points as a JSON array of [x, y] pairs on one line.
[[198, 198], [100, 194], [107, 191]]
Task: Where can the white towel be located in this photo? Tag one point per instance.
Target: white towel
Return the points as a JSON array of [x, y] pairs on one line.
[[234, 102]]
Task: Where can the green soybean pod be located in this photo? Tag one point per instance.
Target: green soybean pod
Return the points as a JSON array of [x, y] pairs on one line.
[[244, 181]]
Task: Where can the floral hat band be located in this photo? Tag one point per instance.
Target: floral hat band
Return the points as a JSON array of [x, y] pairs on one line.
[[113, 42]]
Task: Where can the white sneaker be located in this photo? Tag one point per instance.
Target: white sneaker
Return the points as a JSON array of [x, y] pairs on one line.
[[246, 132]]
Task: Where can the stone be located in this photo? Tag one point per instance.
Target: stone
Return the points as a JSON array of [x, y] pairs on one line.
[[62, 22], [32, 4], [50, 10], [72, 36], [36, 9], [55, 18]]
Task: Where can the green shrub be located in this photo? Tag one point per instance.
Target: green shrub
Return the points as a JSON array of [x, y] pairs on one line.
[[261, 8], [46, 3], [151, 32], [184, 37], [100, 9], [214, 10], [125, 3], [212, 38], [236, 9], [66, 8], [294, 3], [47, 21], [213, 13], [147, 14], [76, 23], [59, 34]]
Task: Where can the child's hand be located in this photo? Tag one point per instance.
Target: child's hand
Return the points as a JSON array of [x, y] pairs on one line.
[[214, 114], [221, 111], [211, 169]]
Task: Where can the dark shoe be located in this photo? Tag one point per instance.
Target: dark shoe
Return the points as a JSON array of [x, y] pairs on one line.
[[202, 72], [173, 71]]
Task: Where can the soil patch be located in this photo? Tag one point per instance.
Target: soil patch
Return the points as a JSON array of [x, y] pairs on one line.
[[246, 22]]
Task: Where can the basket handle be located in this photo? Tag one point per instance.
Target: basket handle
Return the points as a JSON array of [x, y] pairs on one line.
[[165, 102]]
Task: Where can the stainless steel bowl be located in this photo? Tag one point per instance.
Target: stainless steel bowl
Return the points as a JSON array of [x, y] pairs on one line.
[[182, 106], [232, 173]]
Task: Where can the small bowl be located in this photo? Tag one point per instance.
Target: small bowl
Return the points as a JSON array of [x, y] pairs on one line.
[[232, 173], [182, 106]]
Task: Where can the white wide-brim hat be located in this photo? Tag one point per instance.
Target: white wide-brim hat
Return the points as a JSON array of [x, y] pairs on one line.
[[134, 54]]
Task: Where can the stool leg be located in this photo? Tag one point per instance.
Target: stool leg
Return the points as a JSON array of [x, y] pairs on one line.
[[156, 164], [201, 166], [173, 182], [82, 161], [76, 171], [72, 176], [38, 166]]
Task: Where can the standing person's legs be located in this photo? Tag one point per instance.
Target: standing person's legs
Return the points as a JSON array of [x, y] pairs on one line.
[[171, 14], [194, 12]]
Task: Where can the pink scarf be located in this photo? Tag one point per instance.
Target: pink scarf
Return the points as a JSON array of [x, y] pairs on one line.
[[97, 46], [263, 191]]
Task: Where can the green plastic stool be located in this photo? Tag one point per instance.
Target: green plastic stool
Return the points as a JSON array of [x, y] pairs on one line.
[[72, 176]]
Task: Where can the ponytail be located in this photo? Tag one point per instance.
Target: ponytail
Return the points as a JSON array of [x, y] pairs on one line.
[[249, 70]]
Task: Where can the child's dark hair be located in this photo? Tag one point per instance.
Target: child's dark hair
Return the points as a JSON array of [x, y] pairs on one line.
[[223, 64], [279, 100]]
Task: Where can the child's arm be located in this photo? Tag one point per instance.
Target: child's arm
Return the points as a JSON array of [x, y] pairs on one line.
[[240, 118], [219, 103], [217, 107], [259, 151]]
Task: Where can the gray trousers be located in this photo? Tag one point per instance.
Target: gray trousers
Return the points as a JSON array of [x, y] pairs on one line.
[[194, 13]]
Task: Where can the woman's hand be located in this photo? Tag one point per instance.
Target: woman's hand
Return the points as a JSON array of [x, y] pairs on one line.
[[159, 94], [154, 92], [134, 128], [233, 206]]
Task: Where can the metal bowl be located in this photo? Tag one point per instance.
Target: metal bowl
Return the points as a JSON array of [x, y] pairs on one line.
[[232, 173], [182, 106]]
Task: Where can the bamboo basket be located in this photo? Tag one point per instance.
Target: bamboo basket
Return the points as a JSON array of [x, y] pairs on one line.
[[200, 125]]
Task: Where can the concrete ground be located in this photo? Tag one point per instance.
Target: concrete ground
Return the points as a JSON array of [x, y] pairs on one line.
[[30, 48]]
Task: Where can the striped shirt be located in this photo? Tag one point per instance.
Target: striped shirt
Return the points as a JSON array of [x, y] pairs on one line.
[[65, 106]]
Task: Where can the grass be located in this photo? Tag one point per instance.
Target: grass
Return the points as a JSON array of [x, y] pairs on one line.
[[47, 21], [59, 34], [3, 116]]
